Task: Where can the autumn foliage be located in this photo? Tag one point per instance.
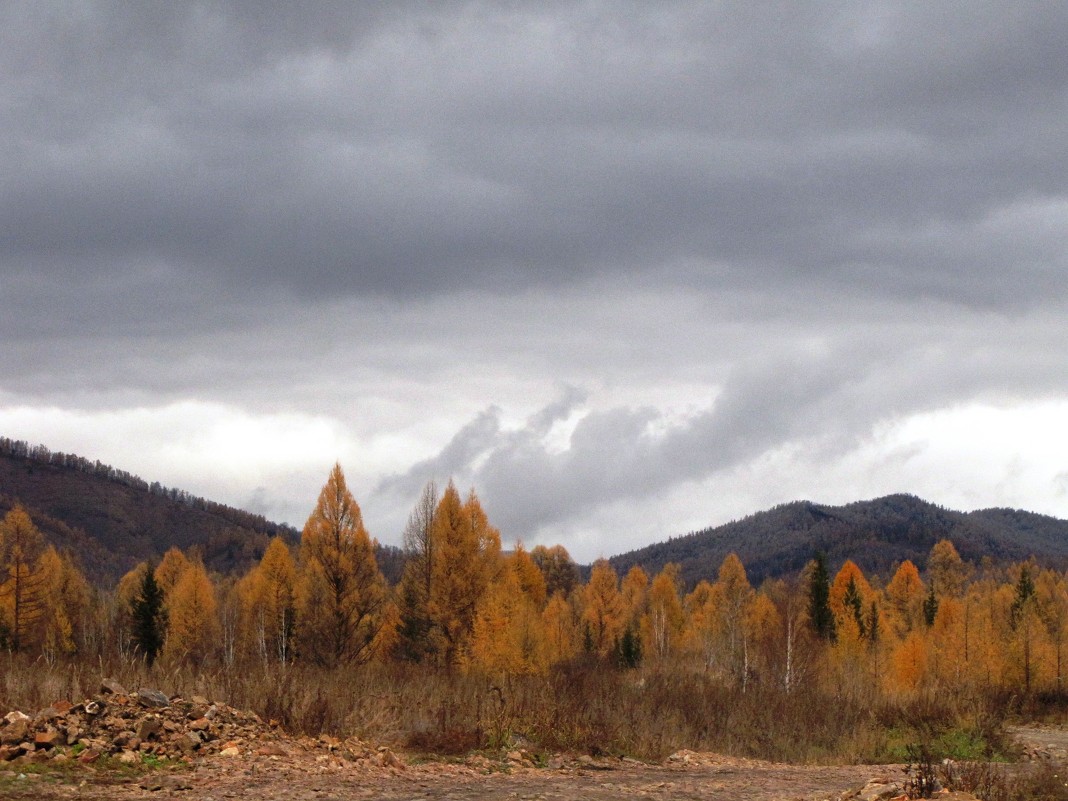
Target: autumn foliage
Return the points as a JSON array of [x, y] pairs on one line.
[[465, 607]]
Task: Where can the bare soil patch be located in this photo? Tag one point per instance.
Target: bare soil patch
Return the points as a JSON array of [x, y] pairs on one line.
[[308, 774]]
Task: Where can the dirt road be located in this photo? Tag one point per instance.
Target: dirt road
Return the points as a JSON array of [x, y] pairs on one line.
[[306, 777]]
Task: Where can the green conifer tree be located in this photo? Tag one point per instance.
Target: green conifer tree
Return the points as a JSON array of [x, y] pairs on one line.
[[819, 601], [149, 622]]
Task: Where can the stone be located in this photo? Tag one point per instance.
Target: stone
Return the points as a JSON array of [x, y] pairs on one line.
[[231, 752], [149, 728], [112, 687], [15, 732], [94, 708], [89, 755], [388, 759], [9, 752], [170, 783], [45, 715], [187, 743], [200, 724], [878, 789], [129, 758], [271, 749], [16, 716], [49, 738], [152, 698]]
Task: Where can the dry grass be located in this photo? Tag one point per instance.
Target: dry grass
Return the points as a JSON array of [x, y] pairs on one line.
[[583, 707]]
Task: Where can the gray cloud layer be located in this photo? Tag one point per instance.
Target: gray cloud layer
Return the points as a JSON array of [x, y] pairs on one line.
[[400, 150], [821, 215]]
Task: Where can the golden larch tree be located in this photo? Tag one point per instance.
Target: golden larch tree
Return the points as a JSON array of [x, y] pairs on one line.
[[704, 623], [735, 596], [341, 590], [664, 621], [506, 638], [170, 569], [531, 579], [946, 570], [905, 594], [268, 601], [467, 557], [604, 613], [65, 602], [192, 621], [21, 545], [850, 596], [559, 629]]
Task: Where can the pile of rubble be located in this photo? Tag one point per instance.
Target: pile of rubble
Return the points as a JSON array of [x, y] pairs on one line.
[[140, 726]]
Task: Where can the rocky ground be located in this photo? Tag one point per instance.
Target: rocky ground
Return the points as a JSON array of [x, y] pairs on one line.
[[141, 744]]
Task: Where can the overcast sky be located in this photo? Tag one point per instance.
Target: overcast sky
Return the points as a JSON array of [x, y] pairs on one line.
[[627, 269]]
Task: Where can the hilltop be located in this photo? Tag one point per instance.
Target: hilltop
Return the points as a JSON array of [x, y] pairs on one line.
[[876, 534], [112, 519]]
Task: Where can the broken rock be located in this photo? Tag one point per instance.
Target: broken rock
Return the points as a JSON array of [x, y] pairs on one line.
[[152, 698]]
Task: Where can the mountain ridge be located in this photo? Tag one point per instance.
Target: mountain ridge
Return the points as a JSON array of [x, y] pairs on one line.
[[112, 519], [877, 534]]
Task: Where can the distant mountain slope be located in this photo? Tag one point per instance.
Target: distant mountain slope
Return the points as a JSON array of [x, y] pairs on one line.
[[112, 520], [875, 534]]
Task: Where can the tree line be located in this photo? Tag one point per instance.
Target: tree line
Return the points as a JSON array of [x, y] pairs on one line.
[[464, 604]]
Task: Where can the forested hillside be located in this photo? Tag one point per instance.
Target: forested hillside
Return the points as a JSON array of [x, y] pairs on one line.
[[111, 520], [876, 534]]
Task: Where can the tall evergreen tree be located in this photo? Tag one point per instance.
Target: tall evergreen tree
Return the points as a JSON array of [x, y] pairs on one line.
[[819, 600], [1025, 590], [930, 607], [854, 604], [148, 617]]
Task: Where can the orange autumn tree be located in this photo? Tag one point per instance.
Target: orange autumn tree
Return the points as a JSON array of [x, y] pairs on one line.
[[703, 624], [466, 559], [507, 637], [905, 595], [531, 579], [663, 623], [268, 604], [947, 571], [65, 604], [170, 569], [341, 591], [192, 620], [735, 597], [21, 604], [560, 629], [604, 613]]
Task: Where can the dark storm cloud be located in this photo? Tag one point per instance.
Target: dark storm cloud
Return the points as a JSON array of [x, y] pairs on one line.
[[816, 217], [405, 149]]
